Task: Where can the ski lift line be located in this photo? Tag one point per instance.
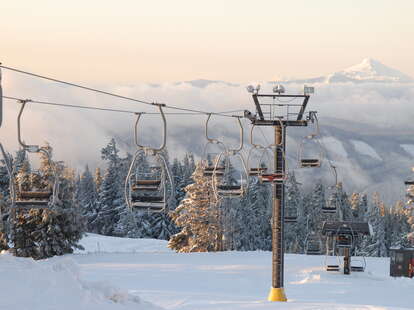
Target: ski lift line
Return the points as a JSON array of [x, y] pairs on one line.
[[111, 94], [102, 109]]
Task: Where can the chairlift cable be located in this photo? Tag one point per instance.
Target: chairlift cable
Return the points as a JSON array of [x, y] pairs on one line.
[[112, 94], [99, 108]]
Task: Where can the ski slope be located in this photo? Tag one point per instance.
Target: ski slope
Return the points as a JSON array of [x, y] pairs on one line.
[[114, 273]]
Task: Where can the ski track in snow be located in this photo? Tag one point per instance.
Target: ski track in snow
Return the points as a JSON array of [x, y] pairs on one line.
[[409, 148], [335, 146], [154, 277], [365, 149]]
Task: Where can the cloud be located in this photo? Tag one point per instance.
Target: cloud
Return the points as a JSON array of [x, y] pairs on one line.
[[78, 135]]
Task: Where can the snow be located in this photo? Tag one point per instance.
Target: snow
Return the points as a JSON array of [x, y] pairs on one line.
[[56, 284], [409, 148], [367, 71], [365, 149], [334, 145], [373, 70], [94, 243], [168, 280]]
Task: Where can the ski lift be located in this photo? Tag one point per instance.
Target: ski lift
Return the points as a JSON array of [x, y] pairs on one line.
[[273, 176], [308, 158], [330, 206], [210, 158], [313, 245], [291, 215], [258, 159], [223, 185], [341, 238], [332, 261], [39, 198], [358, 264], [146, 187], [344, 237], [344, 241]]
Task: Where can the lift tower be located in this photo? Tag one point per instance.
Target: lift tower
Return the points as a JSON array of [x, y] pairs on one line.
[[281, 112]]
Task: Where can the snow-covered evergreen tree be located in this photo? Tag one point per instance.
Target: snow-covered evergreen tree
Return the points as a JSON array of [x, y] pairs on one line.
[[41, 233], [375, 244], [198, 217], [295, 233], [87, 198]]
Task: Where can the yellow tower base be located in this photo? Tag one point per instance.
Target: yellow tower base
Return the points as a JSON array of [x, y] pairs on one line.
[[277, 294]]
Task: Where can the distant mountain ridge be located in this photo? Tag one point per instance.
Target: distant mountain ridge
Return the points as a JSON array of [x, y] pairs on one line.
[[368, 71]]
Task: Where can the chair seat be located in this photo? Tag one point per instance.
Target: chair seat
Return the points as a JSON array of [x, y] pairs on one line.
[[291, 219], [328, 210], [152, 206], [35, 195], [148, 188], [147, 199], [310, 162], [332, 268], [357, 268], [148, 182], [272, 177], [256, 171], [32, 204]]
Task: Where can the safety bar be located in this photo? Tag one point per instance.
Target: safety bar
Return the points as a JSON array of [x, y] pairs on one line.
[[27, 147], [164, 139], [210, 140], [240, 147]]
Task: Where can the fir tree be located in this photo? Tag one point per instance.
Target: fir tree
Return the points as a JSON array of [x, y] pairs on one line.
[[41, 233], [198, 217]]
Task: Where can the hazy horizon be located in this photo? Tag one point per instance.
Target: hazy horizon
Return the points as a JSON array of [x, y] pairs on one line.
[[161, 41]]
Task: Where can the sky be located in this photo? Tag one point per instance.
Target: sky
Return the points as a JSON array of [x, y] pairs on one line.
[[130, 41]]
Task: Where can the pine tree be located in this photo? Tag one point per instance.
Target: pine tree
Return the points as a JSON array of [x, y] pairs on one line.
[[87, 198], [41, 233], [198, 217], [111, 201], [375, 244], [295, 233]]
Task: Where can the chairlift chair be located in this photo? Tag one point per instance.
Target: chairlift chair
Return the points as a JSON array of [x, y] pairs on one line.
[[358, 264], [222, 186], [35, 198], [291, 215], [306, 159], [344, 241], [332, 261], [258, 159], [146, 189], [313, 246], [210, 158], [331, 205]]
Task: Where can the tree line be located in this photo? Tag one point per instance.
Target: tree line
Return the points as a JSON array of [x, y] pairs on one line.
[[93, 201]]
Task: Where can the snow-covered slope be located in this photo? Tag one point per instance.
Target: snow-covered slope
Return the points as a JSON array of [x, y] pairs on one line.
[[94, 243], [196, 281], [241, 280], [370, 70], [56, 284]]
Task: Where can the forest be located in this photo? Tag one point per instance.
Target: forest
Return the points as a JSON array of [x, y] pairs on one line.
[[93, 201]]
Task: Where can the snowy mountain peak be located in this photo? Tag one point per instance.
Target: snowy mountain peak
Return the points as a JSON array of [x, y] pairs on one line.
[[369, 70]]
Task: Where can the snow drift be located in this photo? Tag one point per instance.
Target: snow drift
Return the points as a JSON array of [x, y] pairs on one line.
[[56, 284]]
